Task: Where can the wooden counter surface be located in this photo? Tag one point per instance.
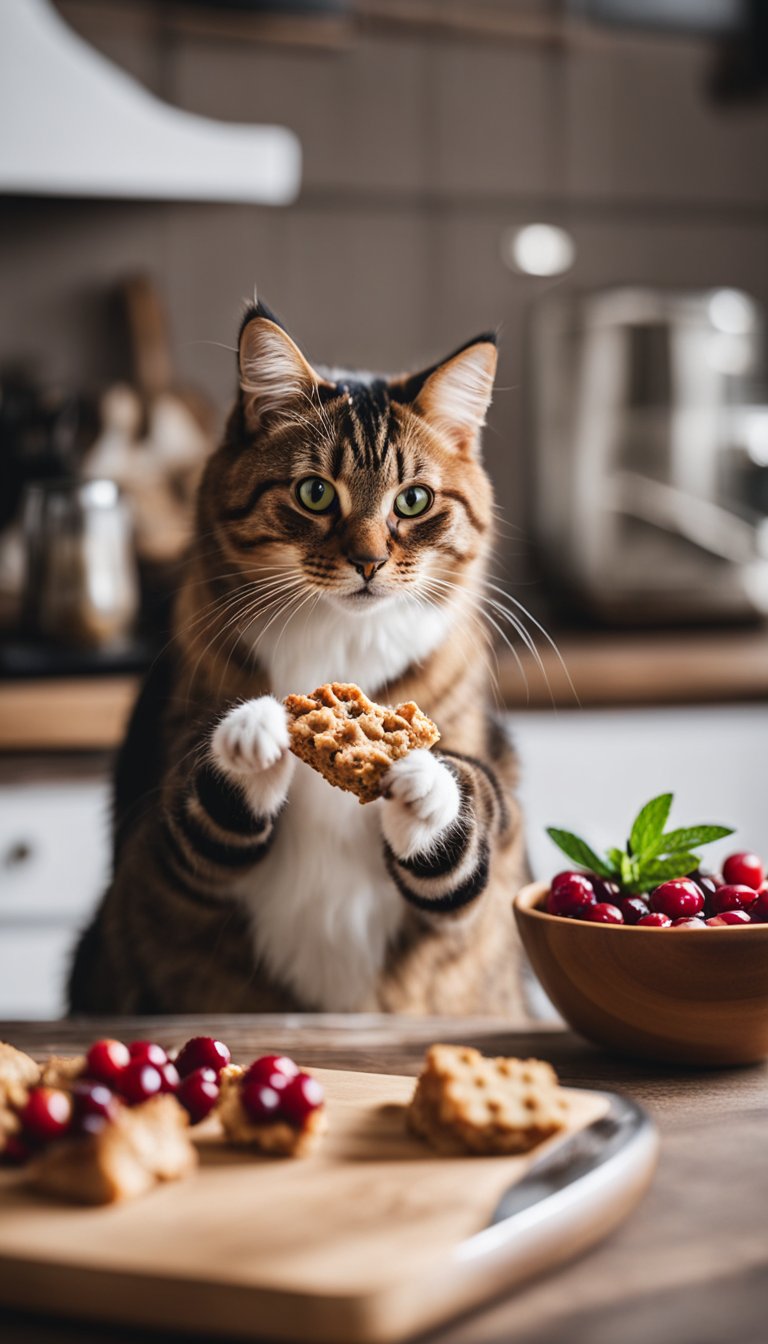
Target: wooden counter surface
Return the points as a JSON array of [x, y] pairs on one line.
[[90, 713], [689, 1264]]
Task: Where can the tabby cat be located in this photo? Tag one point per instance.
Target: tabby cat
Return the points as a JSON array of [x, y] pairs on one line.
[[343, 532]]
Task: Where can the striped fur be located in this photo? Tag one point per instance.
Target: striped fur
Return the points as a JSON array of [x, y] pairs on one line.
[[242, 881]]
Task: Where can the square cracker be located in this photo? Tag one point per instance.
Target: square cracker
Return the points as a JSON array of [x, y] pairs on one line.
[[465, 1103], [351, 740]]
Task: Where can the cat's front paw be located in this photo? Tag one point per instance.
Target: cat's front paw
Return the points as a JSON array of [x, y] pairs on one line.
[[251, 745], [422, 801]]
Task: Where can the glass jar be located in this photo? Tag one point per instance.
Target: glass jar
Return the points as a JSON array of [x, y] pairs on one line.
[[81, 579]]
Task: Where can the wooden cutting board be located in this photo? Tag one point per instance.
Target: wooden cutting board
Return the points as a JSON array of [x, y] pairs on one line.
[[370, 1239]]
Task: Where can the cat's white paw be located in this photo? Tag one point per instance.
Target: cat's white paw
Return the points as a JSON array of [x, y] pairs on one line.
[[423, 801], [251, 744]]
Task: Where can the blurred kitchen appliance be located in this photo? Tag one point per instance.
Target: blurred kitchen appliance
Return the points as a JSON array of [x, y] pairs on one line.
[[81, 584], [651, 453]]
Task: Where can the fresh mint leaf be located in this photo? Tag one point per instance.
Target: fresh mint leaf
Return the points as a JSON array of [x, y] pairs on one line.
[[617, 857], [686, 838], [579, 851], [660, 870], [649, 824], [628, 871]]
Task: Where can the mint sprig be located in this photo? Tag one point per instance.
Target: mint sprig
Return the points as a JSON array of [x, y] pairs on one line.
[[651, 855]]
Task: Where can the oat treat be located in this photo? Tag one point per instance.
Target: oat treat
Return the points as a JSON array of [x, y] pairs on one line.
[[142, 1146], [278, 1136], [466, 1104], [62, 1070], [18, 1073], [352, 741]]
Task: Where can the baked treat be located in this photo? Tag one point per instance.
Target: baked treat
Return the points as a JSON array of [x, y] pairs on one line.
[[140, 1147], [352, 741], [62, 1070], [18, 1073], [465, 1103], [277, 1136]]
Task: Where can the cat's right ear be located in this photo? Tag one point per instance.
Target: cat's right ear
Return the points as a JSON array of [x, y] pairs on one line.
[[274, 374]]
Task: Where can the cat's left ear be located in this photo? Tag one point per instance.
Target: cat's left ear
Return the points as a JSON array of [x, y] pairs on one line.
[[455, 395], [274, 374]]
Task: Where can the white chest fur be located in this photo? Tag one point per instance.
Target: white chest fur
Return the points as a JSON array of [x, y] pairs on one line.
[[324, 908]]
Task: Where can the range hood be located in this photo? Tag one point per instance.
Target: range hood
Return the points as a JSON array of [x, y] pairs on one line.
[[75, 124]]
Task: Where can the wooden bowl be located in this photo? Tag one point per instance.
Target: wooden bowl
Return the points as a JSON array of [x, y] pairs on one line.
[[688, 996]]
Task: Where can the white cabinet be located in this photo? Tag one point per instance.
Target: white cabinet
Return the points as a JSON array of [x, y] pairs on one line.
[[54, 864]]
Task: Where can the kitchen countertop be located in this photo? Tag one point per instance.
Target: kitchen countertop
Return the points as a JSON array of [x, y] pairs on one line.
[[688, 1265], [603, 669]]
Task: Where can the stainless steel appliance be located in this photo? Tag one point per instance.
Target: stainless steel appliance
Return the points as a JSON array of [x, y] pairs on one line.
[[650, 436], [81, 580]]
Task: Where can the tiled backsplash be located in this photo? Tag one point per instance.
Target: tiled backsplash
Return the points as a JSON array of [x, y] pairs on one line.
[[419, 152]]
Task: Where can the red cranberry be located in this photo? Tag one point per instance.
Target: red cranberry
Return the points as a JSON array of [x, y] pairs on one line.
[[272, 1071], [605, 889], [46, 1115], [198, 1093], [680, 898], [729, 917], [706, 882], [106, 1060], [202, 1052], [302, 1096], [570, 895], [604, 913], [687, 922], [758, 910], [95, 1106], [633, 908], [138, 1082], [744, 870], [654, 921], [731, 897], [93, 1099], [170, 1076], [261, 1102], [15, 1152], [148, 1052]]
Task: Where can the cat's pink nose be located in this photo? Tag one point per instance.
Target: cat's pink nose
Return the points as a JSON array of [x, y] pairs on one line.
[[367, 565]]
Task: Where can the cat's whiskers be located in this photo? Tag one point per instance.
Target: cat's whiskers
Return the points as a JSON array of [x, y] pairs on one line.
[[310, 594], [256, 606], [541, 630], [220, 605], [493, 608], [239, 615], [486, 617], [478, 621]]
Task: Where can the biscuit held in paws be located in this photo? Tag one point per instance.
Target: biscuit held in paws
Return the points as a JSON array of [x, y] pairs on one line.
[[142, 1146], [465, 1103], [352, 741]]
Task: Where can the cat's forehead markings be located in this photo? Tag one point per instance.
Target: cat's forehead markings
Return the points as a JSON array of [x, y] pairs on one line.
[[368, 414]]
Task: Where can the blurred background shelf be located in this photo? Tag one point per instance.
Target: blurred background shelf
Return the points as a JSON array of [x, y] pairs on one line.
[[66, 713], [86, 713]]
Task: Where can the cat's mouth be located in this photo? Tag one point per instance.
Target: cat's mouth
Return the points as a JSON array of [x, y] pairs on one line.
[[364, 598]]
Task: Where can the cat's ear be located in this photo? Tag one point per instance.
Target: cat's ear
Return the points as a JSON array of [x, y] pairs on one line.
[[455, 395], [273, 372]]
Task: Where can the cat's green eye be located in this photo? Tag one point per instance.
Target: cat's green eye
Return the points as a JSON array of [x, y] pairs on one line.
[[315, 494], [412, 501]]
